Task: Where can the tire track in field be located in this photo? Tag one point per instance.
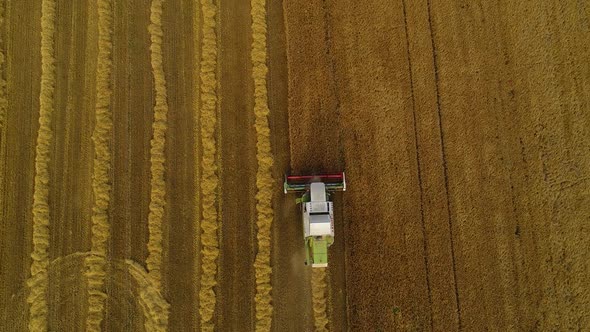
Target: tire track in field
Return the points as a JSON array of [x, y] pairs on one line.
[[264, 181], [435, 63], [95, 263], [209, 170], [38, 281], [319, 286], [158, 158]]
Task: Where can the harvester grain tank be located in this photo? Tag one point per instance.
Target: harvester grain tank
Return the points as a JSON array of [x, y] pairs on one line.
[[317, 211]]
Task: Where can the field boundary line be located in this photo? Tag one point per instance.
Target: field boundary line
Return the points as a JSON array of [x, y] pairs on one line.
[[38, 281], [209, 184], [264, 181], [157, 156], [3, 104], [96, 262]]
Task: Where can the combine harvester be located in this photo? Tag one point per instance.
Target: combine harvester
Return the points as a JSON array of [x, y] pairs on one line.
[[318, 212]]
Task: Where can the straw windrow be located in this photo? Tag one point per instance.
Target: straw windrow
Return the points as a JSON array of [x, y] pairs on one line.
[[209, 169], [264, 181], [96, 262], [158, 158], [38, 282], [318, 288]]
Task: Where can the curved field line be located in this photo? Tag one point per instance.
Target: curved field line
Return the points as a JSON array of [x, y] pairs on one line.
[[318, 288], [158, 158], [38, 281], [264, 181], [209, 177], [95, 263], [154, 307]]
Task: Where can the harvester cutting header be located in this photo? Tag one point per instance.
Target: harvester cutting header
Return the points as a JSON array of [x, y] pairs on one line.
[[318, 212]]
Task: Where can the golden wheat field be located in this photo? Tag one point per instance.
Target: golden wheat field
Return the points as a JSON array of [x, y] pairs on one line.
[[143, 145]]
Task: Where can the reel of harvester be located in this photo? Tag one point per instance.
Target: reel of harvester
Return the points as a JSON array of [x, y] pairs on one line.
[[301, 183]]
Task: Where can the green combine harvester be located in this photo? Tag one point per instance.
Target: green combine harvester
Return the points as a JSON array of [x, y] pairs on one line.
[[318, 212]]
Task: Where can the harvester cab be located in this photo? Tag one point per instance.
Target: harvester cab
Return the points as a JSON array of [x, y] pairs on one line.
[[317, 212]]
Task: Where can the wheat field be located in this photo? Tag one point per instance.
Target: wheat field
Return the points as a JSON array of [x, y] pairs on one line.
[[143, 146]]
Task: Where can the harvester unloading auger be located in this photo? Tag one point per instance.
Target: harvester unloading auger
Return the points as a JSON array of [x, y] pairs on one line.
[[318, 212]]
